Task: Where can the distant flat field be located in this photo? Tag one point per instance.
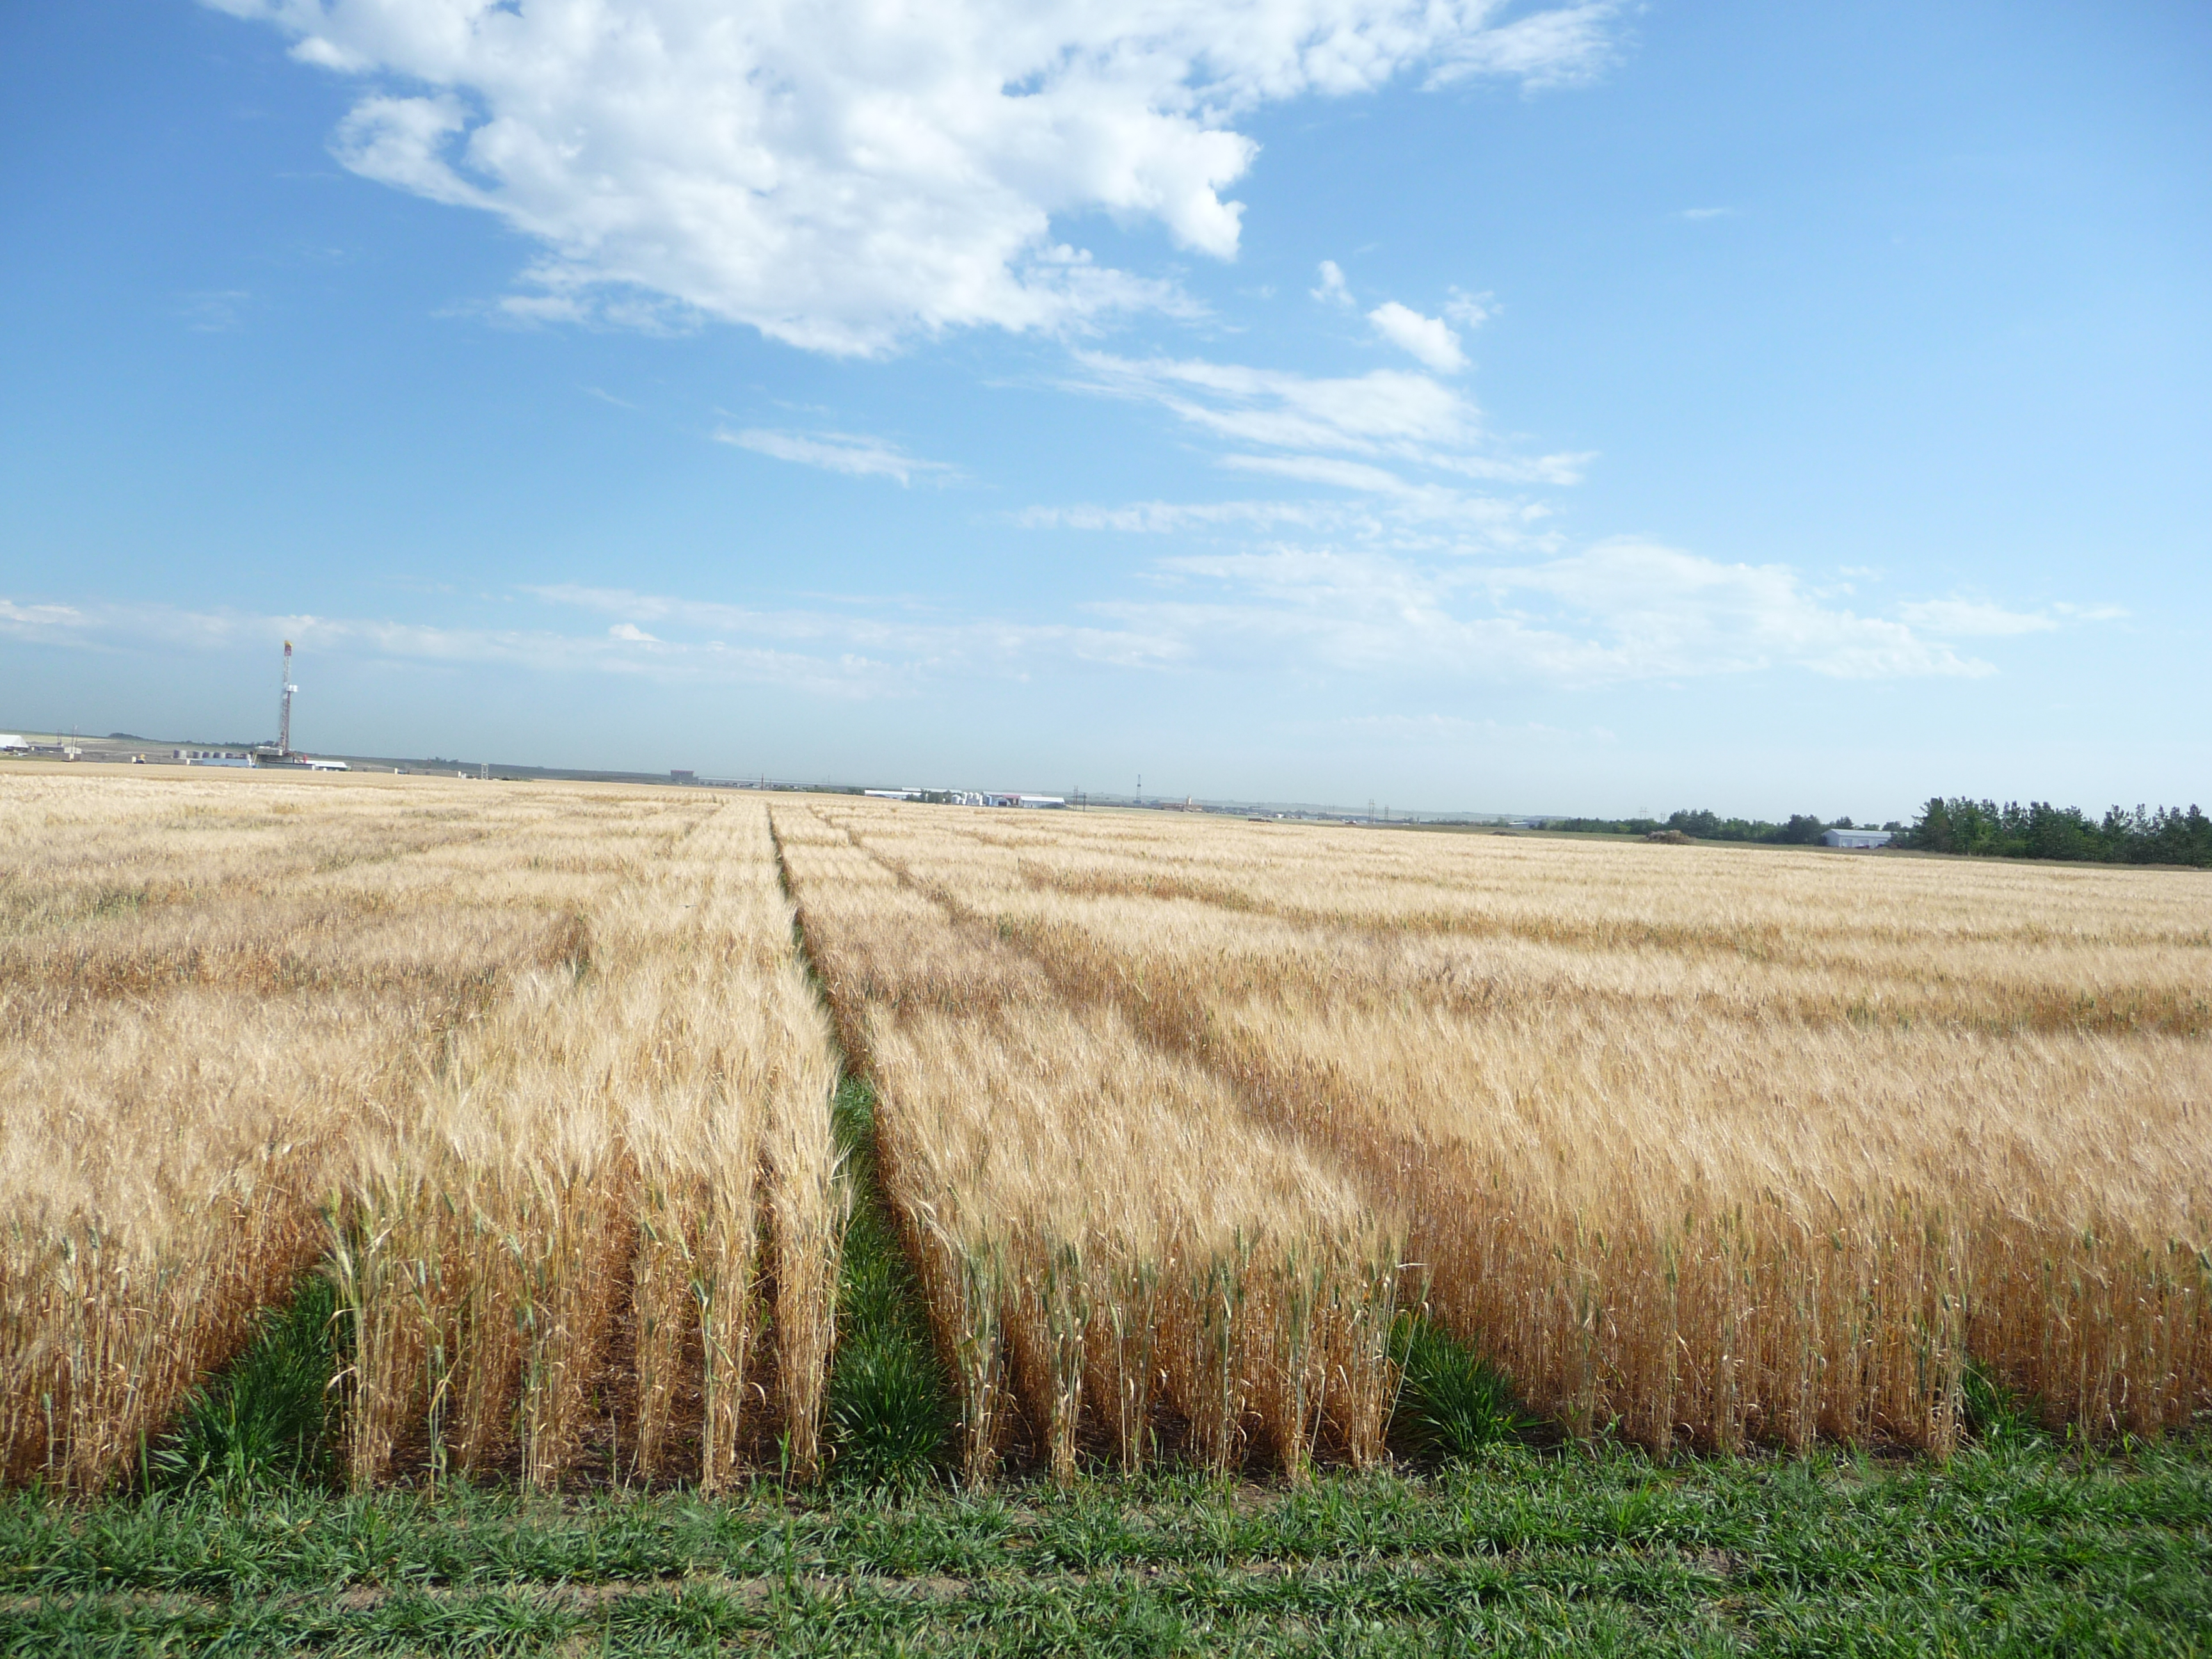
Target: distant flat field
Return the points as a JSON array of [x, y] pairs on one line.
[[1180, 1132]]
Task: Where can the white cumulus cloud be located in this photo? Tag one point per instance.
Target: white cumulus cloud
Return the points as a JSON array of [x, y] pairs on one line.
[[842, 175], [1429, 339]]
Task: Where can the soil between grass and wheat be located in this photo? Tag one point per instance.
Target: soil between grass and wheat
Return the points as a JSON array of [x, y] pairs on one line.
[[2013, 1548]]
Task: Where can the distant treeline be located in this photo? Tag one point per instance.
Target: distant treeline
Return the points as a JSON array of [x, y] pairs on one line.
[[2164, 835], [1800, 829]]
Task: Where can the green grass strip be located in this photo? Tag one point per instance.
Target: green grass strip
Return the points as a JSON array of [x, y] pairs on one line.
[[890, 1410], [2007, 1549]]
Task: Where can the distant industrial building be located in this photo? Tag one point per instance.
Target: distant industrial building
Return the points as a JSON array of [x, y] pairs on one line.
[[1862, 839], [968, 797]]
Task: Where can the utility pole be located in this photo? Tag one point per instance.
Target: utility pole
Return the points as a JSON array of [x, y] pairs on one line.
[[284, 706]]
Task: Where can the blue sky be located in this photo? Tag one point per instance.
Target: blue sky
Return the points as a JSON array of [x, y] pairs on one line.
[[1600, 407]]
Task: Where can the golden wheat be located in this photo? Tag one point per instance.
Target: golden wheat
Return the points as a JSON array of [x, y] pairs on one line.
[[194, 1013], [1707, 1144], [1092, 1215], [1704, 1145], [532, 1068]]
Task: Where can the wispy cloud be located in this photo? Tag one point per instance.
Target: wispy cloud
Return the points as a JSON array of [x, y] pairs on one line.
[[921, 642], [1362, 476], [27, 621], [1668, 611], [1969, 619], [1169, 518], [1428, 339], [1383, 411], [1385, 416], [1620, 611], [1470, 310], [1567, 45], [1978, 619], [873, 651], [1694, 214], [1400, 497], [1385, 510], [1565, 468], [215, 311], [841, 451], [1333, 290]]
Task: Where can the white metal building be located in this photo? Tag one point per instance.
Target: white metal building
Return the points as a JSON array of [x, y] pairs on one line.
[[1863, 839]]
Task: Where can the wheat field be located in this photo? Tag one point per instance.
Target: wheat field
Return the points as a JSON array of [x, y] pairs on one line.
[[1705, 1147], [533, 1073], [1178, 1121]]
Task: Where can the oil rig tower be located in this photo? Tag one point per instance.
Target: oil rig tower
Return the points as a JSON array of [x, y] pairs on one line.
[[284, 708]]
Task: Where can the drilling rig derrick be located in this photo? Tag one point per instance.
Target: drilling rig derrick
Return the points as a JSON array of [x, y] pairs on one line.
[[284, 708]]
